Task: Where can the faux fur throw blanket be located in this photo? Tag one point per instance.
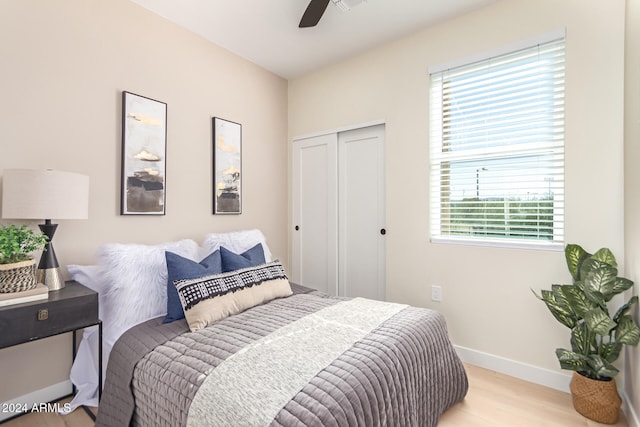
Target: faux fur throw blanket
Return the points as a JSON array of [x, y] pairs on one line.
[[275, 368]]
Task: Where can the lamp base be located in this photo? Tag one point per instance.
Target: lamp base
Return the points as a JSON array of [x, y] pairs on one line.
[[48, 269], [50, 277]]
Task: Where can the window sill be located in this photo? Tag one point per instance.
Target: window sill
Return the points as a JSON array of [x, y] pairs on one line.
[[500, 243]]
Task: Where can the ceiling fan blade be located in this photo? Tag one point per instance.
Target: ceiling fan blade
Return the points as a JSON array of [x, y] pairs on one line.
[[314, 12]]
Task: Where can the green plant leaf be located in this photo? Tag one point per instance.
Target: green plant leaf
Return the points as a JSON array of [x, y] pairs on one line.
[[627, 331], [606, 256], [591, 264], [601, 367], [571, 360], [562, 313], [598, 283], [560, 297], [610, 352], [16, 243], [577, 300], [620, 285], [598, 321], [580, 339], [625, 310], [575, 255]]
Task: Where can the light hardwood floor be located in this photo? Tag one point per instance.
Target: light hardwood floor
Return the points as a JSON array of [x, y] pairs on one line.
[[494, 400], [497, 400]]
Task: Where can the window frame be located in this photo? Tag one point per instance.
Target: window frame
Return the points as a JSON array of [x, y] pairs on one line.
[[435, 224]]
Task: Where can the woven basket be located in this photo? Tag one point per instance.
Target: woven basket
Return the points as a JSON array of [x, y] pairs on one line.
[[597, 400], [17, 277]]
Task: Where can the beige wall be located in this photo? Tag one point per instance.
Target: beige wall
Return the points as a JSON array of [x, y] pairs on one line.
[[487, 295], [632, 188], [64, 65]]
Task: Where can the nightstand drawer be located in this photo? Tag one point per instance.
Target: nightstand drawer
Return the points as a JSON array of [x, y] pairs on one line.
[[70, 308]]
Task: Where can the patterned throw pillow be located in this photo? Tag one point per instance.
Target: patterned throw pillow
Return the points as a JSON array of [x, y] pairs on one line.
[[210, 298]]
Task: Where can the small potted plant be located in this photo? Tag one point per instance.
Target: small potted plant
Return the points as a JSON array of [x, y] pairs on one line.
[[17, 266], [597, 338]]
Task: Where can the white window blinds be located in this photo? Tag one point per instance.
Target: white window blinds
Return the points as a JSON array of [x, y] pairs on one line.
[[497, 149]]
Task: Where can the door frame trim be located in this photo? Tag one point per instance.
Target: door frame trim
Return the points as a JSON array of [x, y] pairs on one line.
[[340, 129]]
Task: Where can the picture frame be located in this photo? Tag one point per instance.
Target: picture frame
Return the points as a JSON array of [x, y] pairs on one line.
[[227, 166], [144, 151]]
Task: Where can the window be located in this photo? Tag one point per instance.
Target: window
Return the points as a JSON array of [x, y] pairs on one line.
[[497, 148]]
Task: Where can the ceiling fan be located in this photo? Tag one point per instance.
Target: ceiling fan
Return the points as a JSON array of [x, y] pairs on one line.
[[316, 9]]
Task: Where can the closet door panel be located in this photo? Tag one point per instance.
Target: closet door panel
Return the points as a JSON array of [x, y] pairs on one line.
[[314, 213], [361, 264]]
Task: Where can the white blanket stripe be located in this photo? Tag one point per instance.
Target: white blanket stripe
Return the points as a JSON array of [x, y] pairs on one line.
[[253, 385]]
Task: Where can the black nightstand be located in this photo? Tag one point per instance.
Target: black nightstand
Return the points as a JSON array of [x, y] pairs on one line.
[[66, 310]]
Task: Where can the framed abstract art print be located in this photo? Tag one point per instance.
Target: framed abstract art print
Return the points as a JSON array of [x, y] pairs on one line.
[[144, 149], [227, 167]]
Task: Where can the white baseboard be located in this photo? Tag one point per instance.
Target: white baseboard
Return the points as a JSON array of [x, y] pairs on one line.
[[35, 401], [523, 371], [633, 418], [533, 374]]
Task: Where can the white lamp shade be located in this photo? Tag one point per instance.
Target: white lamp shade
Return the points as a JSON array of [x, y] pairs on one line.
[[44, 194]]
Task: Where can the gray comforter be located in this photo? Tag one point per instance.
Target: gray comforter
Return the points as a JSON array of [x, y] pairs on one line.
[[404, 373]]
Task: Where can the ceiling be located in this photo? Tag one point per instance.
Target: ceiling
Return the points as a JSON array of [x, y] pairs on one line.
[[266, 31]]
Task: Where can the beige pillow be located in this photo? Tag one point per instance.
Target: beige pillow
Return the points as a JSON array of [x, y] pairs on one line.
[[210, 298]]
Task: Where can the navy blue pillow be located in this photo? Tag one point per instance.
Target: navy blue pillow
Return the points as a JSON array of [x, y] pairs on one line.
[[180, 268], [250, 258]]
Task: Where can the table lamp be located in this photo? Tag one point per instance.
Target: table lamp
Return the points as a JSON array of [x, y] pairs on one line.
[[45, 194]]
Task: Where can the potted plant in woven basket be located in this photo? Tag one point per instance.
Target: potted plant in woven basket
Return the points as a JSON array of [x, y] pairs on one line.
[[597, 338], [17, 267]]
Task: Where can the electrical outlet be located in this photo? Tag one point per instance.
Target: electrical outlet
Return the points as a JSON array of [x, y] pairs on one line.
[[436, 293]]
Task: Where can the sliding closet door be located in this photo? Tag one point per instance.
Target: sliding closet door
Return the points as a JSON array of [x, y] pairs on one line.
[[338, 213], [361, 213], [315, 194]]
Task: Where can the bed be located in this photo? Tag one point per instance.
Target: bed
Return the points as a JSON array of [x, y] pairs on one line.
[[296, 358]]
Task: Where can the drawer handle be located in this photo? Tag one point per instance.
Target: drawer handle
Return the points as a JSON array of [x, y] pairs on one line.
[[43, 314]]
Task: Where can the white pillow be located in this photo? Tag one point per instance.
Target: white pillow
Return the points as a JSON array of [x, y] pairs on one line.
[[136, 281], [91, 277], [235, 241], [87, 275]]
